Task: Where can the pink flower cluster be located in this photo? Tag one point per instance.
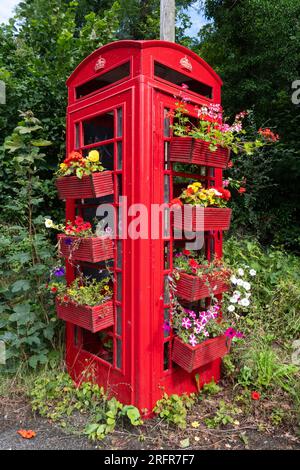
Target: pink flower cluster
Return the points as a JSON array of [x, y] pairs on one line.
[[197, 324]]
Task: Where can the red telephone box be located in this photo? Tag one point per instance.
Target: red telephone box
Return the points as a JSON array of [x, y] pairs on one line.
[[119, 102]]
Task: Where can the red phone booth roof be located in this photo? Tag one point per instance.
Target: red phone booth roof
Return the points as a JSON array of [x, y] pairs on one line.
[[123, 60]]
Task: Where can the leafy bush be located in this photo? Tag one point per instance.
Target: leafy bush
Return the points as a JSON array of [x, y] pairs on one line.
[[174, 408], [55, 396]]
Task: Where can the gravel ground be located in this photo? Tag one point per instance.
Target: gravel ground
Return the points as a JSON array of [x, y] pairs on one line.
[[154, 434]]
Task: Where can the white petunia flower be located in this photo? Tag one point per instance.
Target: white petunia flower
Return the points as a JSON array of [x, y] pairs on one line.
[[252, 272], [240, 272], [233, 299], [237, 293], [233, 279], [244, 302], [49, 223], [239, 282], [231, 308], [247, 285]]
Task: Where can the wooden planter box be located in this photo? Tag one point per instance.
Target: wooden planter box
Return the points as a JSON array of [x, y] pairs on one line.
[[190, 357], [92, 186], [214, 218], [189, 150], [90, 318], [193, 288], [91, 249]]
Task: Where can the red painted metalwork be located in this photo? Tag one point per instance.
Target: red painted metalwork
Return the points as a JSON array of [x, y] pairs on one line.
[[119, 98], [95, 185], [93, 319], [91, 249], [192, 357], [214, 218], [193, 288], [189, 150]]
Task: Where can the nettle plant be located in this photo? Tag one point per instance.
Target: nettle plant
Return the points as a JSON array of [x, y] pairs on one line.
[[82, 291], [76, 164], [210, 127]]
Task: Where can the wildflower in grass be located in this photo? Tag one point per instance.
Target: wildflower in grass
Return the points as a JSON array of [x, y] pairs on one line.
[[255, 395]]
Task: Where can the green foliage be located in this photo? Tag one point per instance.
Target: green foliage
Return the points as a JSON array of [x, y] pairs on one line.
[[84, 291], [174, 408], [211, 388], [55, 397], [27, 322], [263, 360], [225, 414], [262, 369], [258, 63]]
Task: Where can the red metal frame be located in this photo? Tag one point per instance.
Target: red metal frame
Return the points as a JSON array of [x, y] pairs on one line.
[[146, 369]]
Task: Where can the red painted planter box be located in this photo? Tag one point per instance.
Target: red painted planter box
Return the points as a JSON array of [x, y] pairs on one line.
[[91, 249], [214, 218], [190, 150], [190, 357], [193, 288], [90, 318], [91, 186]]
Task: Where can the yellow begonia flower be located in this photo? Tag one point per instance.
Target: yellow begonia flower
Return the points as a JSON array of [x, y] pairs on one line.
[[93, 156], [197, 185], [63, 166]]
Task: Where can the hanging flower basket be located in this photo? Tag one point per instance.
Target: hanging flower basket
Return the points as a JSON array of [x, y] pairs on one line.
[[189, 150], [91, 249], [190, 357], [194, 288], [90, 318], [213, 218], [88, 187]]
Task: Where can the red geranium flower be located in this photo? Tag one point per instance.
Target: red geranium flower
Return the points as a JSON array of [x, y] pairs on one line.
[[53, 289], [78, 220], [255, 395], [176, 202], [230, 164], [186, 252], [193, 264], [242, 190], [226, 194]]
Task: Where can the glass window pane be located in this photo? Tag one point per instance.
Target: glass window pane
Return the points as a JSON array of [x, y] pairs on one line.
[[98, 128], [120, 186], [119, 287], [103, 80], [77, 135], [106, 155], [166, 290], [166, 149], [119, 253], [119, 320], [167, 327], [120, 122], [166, 355], [167, 188], [167, 255], [166, 123], [119, 155], [119, 354]]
